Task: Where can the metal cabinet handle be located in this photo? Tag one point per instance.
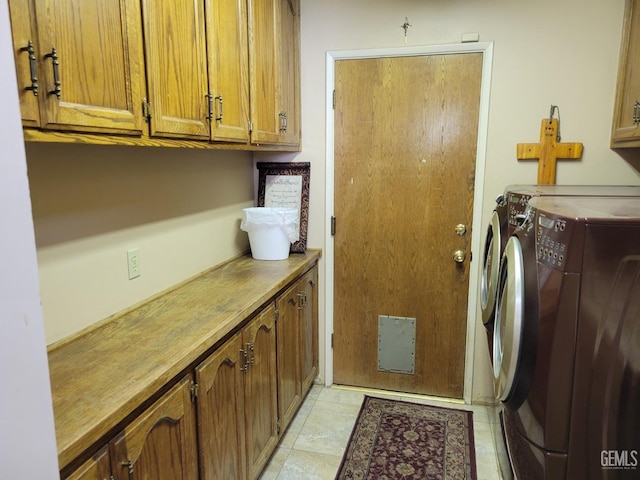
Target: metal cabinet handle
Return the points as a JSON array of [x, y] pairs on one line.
[[219, 117], [459, 256], [32, 68], [251, 354], [302, 300], [129, 465], [245, 362], [56, 72]]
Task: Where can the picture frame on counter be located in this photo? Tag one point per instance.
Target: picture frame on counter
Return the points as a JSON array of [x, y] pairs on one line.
[[286, 185]]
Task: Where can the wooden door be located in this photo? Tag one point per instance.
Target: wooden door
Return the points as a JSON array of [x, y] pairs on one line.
[[228, 69], [288, 328], [405, 149], [176, 59], [98, 65], [24, 50], [261, 393], [221, 413], [161, 443]]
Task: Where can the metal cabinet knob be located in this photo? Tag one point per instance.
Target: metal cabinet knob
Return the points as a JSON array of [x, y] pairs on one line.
[[459, 256]]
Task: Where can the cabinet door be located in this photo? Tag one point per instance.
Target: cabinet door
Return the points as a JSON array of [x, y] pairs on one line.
[[290, 71], [91, 65], [309, 329], [96, 468], [176, 59], [261, 409], [264, 71], [161, 443], [221, 413], [290, 305], [626, 118], [228, 69], [24, 49]]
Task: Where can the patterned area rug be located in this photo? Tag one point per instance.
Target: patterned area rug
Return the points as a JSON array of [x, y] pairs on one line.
[[400, 440]]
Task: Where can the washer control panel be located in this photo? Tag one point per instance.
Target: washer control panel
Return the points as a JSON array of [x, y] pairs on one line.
[[517, 205], [552, 237]]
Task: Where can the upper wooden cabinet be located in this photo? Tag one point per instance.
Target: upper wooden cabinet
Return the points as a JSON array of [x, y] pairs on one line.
[[88, 61], [24, 38], [626, 117], [290, 71], [274, 71], [176, 56], [156, 71], [228, 61]]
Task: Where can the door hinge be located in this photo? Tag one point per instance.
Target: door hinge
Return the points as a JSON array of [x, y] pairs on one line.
[[279, 426], [250, 126], [146, 110], [194, 391], [333, 225], [332, 340], [334, 99]]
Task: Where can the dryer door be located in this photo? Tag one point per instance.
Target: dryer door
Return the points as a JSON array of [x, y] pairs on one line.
[[508, 328], [490, 269], [515, 335]]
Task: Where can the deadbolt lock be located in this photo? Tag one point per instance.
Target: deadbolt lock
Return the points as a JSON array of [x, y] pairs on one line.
[[459, 256], [461, 229]]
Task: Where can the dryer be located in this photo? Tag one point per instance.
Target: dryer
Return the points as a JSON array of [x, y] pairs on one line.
[[508, 214], [506, 217], [554, 295]]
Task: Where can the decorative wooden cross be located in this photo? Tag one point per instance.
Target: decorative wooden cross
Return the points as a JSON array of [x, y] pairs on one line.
[[548, 151]]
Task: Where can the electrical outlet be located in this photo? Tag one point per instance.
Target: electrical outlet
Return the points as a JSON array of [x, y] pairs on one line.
[[133, 261]]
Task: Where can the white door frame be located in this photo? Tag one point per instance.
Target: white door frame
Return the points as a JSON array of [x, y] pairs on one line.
[[474, 273]]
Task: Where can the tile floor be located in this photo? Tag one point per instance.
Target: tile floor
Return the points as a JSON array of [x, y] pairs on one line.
[[312, 447]]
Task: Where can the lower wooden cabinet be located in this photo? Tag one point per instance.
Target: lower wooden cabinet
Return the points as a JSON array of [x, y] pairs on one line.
[[309, 329], [237, 403], [244, 395], [297, 344], [221, 412], [261, 394], [97, 467], [160, 444]]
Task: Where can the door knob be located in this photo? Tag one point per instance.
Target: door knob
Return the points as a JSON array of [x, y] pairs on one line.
[[461, 229], [459, 256]]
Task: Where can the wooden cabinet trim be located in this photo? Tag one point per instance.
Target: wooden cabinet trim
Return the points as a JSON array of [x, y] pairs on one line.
[[150, 346]]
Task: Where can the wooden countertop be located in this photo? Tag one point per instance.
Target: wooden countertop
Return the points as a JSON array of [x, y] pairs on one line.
[[101, 376]]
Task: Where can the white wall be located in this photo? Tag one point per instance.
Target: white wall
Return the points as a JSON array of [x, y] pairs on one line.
[[546, 52], [180, 207], [27, 438]]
